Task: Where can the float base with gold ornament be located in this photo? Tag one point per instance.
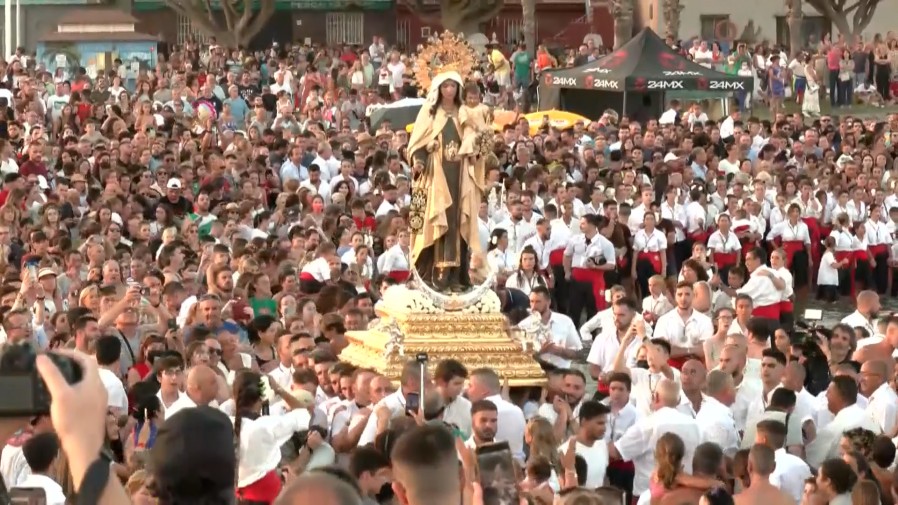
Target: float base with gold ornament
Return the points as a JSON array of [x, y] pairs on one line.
[[469, 328]]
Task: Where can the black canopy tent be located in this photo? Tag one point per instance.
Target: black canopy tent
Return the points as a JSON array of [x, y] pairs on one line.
[[632, 80]]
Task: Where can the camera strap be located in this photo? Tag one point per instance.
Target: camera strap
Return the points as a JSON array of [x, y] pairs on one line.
[[128, 346]]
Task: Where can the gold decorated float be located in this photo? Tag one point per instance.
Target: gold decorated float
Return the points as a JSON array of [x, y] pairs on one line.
[[473, 332], [463, 324]]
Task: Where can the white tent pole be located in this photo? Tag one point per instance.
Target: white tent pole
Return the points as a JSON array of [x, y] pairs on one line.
[[18, 23], [7, 28]]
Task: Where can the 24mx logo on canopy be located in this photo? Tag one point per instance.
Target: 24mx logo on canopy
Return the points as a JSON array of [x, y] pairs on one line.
[[704, 84], [665, 85], [557, 80], [591, 82], [727, 86]]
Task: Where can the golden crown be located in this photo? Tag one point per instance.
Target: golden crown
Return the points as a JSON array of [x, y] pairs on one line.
[[448, 52]]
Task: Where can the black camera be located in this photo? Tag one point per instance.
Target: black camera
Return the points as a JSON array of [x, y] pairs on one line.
[[25, 393]]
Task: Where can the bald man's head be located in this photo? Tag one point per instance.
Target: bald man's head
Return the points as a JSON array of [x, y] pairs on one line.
[[874, 373], [794, 376], [319, 488], [732, 359], [202, 384], [692, 376], [867, 301], [667, 394]]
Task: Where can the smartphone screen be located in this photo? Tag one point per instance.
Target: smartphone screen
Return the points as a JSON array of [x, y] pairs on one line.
[[813, 314], [497, 477], [412, 403]]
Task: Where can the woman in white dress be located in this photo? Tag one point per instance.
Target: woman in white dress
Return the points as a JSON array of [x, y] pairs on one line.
[[810, 107]]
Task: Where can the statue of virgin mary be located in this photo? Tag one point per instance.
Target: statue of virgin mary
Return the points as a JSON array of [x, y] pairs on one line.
[[447, 189]]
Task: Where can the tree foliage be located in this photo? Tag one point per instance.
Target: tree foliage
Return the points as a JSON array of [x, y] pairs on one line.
[[232, 22], [458, 16], [860, 13]]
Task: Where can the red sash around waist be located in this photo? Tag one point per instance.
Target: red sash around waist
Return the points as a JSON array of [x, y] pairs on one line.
[[699, 236], [652, 257], [813, 225], [861, 256], [845, 255], [767, 311], [264, 490], [787, 307], [556, 258], [594, 277], [399, 276], [879, 250], [622, 262], [791, 247], [724, 260], [747, 244], [620, 464]]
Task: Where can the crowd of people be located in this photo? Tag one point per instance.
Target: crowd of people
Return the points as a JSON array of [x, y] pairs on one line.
[[201, 236]]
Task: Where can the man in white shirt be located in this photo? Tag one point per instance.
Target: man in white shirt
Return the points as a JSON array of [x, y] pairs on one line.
[[865, 315], [564, 410], [389, 202], [638, 443], [108, 354], [485, 384], [791, 471], [882, 402], [842, 401], [450, 376], [606, 345], [684, 327], [563, 343], [589, 442], [713, 416], [395, 403], [13, 467], [485, 423], [669, 116], [40, 453], [202, 388], [519, 229]]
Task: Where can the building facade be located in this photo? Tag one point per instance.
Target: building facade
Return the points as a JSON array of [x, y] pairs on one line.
[[559, 22], [753, 21]]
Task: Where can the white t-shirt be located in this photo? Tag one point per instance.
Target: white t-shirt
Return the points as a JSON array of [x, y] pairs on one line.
[[383, 77], [596, 458], [115, 389], [55, 104], [826, 274], [397, 69]]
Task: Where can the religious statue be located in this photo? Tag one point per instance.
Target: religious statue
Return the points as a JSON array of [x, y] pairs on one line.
[[448, 169]]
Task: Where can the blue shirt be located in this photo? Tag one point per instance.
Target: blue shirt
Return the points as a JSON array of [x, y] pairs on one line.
[[239, 108], [698, 171]]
